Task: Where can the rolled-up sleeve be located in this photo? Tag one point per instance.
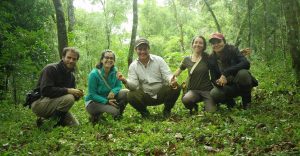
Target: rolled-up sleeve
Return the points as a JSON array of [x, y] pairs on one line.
[[132, 81], [165, 70]]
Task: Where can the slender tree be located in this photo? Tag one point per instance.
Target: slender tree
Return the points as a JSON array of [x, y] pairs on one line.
[[265, 29], [240, 31], [179, 24], [283, 33], [245, 20], [61, 26], [133, 32], [291, 10], [71, 16], [108, 25], [249, 9], [213, 15]]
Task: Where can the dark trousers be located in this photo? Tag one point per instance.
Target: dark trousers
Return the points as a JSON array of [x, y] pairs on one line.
[[241, 85], [140, 100]]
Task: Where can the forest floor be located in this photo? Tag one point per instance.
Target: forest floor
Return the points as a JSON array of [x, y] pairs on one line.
[[271, 126]]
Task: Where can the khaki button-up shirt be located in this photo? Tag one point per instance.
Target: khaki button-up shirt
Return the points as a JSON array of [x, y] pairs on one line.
[[149, 78]]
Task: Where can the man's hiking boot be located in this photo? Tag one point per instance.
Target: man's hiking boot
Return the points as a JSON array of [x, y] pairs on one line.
[[195, 108], [145, 114], [230, 103], [39, 121], [64, 119], [166, 113], [246, 105], [118, 117], [60, 117]]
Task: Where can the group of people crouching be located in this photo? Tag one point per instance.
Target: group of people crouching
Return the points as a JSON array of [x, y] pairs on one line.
[[213, 79]]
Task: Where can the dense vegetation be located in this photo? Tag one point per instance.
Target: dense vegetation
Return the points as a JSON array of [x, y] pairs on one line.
[[28, 41]]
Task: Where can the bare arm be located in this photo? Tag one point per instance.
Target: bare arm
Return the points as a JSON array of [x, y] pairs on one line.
[[177, 72]]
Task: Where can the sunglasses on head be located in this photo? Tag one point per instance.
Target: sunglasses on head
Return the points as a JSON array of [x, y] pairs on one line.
[[215, 41]]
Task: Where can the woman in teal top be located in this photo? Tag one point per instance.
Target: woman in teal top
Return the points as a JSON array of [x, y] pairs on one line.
[[104, 89]]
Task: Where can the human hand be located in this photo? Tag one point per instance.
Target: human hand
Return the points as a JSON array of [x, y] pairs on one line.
[[113, 102], [183, 85], [77, 93], [222, 81], [121, 77], [246, 51], [173, 82], [111, 95]]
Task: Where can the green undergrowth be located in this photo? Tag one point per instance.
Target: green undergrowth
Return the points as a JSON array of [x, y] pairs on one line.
[[270, 127]]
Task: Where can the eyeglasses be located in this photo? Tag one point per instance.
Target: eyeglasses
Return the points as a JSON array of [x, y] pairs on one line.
[[215, 41], [109, 58]]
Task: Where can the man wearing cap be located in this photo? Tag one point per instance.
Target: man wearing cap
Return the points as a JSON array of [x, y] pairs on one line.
[[150, 81], [229, 73]]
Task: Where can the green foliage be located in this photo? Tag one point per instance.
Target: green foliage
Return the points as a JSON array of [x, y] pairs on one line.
[[153, 22], [28, 42], [174, 40], [270, 127], [25, 45]]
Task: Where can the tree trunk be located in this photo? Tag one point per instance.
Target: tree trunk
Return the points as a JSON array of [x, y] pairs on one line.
[[298, 11], [14, 85], [71, 16], [107, 25], [240, 32], [283, 32], [214, 16], [250, 5], [246, 18], [291, 9], [265, 31], [181, 37], [133, 32], [179, 26], [61, 26]]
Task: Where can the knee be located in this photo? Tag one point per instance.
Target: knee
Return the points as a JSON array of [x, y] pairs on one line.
[[122, 95], [116, 112], [243, 73], [217, 94], [68, 99], [132, 96], [244, 77], [186, 100], [172, 94]]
